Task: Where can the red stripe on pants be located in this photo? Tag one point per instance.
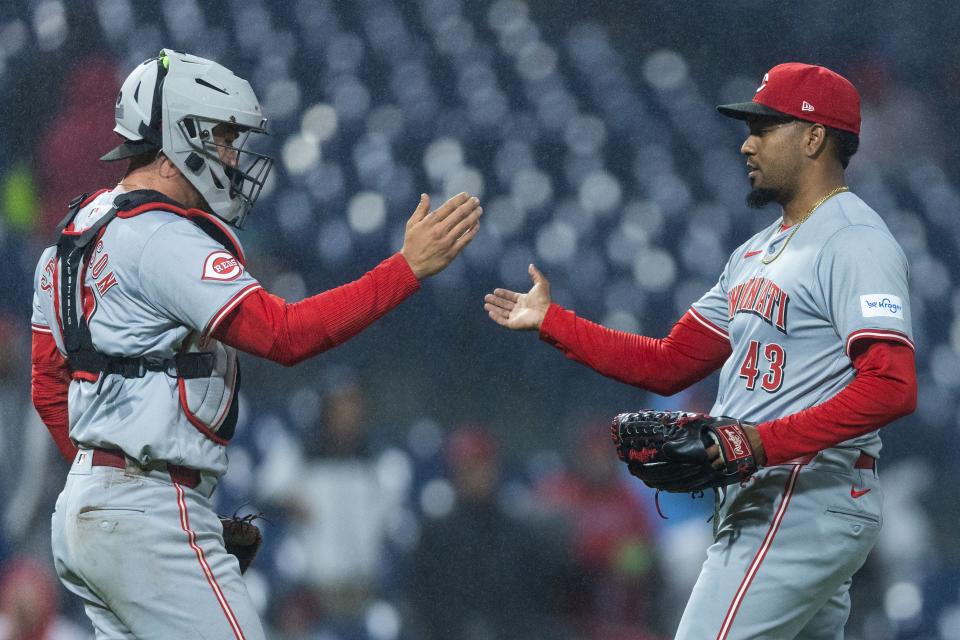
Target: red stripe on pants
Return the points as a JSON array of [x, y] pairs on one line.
[[208, 572], [761, 553]]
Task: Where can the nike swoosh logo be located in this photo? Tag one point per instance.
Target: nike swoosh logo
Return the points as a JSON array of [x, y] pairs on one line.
[[856, 494], [750, 254]]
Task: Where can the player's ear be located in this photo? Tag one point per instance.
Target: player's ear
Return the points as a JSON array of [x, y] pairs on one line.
[[166, 167], [815, 140]]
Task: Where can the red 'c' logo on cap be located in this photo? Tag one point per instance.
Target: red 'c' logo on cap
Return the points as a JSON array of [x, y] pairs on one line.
[[222, 266]]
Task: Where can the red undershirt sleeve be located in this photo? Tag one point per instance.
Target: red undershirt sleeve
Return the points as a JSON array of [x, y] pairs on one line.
[[885, 388], [664, 366], [266, 326], [50, 380]]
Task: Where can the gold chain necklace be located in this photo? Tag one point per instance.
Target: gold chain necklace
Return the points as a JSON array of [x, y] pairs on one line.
[[796, 227]]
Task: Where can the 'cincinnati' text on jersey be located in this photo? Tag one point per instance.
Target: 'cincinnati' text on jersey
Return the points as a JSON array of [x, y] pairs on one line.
[[760, 297]]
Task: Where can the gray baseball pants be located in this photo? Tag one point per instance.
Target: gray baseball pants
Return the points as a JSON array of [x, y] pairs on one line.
[[146, 555], [786, 547]]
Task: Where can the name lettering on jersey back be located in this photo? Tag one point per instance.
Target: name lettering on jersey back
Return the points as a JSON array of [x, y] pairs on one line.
[[762, 298], [48, 277], [97, 265], [106, 284]]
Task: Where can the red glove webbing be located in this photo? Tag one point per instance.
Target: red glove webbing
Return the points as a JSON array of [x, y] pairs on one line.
[[665, 366], [266, 326]]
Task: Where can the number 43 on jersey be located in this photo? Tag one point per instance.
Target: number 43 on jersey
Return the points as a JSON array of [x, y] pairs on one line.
[[773, 361]]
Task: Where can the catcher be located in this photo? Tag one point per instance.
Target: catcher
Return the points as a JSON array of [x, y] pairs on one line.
[[139, 311], [809, 323]]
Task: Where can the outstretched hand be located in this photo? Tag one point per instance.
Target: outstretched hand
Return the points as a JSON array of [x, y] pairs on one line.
[[432, 240], [520, 311]]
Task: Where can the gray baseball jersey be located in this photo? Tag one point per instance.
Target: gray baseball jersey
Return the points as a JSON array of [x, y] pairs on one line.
[[155, 284], [788, 541], [840, 277]]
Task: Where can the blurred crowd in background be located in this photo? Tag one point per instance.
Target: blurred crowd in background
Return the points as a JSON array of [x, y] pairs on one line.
[[439, 477]]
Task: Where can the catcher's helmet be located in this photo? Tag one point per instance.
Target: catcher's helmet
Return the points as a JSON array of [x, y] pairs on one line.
[[171, 104]]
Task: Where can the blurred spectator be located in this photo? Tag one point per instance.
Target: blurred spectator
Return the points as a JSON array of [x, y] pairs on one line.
[[18, 198], [477, 573], [896, 119], [68, 157], [298, 615], [29, 604], [612, 594], [330, 491], [32, 477]]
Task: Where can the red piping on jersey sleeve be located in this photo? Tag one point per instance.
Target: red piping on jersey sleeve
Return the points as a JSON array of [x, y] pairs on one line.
[[877, 334], [665, 366], [266, 326], [229, 307], [885, 389], [50, 379]]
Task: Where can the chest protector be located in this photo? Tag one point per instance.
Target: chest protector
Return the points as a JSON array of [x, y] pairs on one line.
[[207, 371]]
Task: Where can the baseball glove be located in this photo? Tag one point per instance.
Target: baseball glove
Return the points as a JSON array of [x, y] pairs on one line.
[[668, 449], [241, 538]]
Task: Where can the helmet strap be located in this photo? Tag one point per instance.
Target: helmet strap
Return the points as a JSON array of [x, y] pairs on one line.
[[151, 132]]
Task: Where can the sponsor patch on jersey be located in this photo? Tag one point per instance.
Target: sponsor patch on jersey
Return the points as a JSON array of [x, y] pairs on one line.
[[884, 305], [222, 266]]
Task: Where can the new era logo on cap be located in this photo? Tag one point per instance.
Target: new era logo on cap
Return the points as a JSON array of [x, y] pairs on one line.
[[763, 83], [793, 88]]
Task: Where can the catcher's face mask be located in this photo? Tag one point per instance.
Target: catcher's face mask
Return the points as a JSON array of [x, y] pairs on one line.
[[206, 121]]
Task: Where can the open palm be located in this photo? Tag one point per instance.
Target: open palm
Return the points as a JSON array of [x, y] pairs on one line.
[[520, 311]]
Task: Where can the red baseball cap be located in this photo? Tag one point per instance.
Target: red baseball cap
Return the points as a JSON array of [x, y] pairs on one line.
[[803, 91]]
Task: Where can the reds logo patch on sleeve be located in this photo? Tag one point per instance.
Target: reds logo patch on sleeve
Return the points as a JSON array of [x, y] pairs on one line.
[[222, 266]]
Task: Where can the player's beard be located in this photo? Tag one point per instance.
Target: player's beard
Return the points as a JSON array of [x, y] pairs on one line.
[[759, 198]]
